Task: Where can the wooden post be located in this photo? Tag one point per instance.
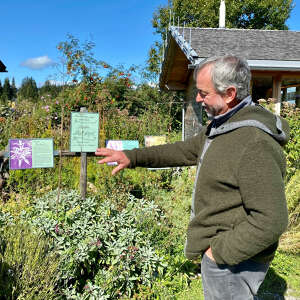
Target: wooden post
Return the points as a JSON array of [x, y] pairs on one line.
[[297, 97], [60, 157], [83, 168]]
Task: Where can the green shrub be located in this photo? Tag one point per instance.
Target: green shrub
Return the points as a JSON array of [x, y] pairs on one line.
[[106, 247], [290, 241], [293, 199], [292, 149]]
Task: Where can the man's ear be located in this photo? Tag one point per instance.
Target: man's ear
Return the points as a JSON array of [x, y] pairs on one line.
[[230, 94]]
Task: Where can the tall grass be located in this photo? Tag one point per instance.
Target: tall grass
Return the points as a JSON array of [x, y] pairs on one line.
[[28, 266]]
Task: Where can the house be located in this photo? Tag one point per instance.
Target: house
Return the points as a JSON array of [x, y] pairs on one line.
[[273, 57], [2, 67]]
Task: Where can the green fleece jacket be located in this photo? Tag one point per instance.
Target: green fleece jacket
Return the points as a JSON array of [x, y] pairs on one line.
[[238, 207]]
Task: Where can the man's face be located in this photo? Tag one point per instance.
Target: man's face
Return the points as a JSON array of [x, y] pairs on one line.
[[213, 103]]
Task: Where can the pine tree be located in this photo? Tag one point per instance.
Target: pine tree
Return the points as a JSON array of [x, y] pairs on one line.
[[28, 89], [6, 91], [50, 89], [14, 89], [0, 90]]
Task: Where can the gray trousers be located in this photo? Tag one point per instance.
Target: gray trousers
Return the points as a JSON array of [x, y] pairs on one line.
[[238, 282]]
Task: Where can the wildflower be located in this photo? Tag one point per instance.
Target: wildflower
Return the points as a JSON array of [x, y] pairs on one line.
[[87, 288], [56, 229], [46, 108], [98, 243]]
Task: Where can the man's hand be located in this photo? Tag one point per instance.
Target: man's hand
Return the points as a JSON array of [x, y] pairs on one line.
[[208, 252], [113, 156]]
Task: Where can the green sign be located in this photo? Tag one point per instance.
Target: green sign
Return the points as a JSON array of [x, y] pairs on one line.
[[84, 132]]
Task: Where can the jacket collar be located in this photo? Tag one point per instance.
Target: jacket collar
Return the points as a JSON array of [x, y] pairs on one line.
[[220, 119]]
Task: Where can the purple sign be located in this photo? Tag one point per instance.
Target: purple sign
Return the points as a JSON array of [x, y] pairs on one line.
[[20, 153]]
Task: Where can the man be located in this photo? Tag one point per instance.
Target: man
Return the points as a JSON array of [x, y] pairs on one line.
[[238, 204]]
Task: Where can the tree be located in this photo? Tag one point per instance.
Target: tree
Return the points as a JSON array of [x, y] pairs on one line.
[[250, 14], [148, 98], [89, 87], [79, 58], [14, 89], [83, 69], [0, 90], [6, 91], [50, 89], [28, 89]]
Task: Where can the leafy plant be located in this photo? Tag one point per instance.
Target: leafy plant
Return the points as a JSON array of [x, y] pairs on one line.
[[293, 199], [292, 149], [109, 245]]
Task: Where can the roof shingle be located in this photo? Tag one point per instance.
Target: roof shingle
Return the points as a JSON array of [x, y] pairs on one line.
[[253, 44]]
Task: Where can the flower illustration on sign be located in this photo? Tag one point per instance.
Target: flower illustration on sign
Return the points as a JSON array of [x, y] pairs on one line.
[[21, 152]]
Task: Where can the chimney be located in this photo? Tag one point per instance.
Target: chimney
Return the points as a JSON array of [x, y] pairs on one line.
[[222, 12]]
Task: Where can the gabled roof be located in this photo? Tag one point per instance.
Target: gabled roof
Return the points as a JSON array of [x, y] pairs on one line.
[[263, 49], [2, 67]]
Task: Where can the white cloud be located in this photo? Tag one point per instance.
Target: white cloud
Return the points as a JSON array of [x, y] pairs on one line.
[[38, 63]]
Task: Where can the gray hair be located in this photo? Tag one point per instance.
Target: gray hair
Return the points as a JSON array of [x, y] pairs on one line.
[[228, 70]]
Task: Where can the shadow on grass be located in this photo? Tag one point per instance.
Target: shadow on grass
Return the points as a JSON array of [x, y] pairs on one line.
[[273, 287]]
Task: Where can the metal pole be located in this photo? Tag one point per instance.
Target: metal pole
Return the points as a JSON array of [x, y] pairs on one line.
[[183, 123]]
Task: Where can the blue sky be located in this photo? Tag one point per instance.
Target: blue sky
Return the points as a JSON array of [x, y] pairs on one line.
[[121, 30], [31, 29]]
